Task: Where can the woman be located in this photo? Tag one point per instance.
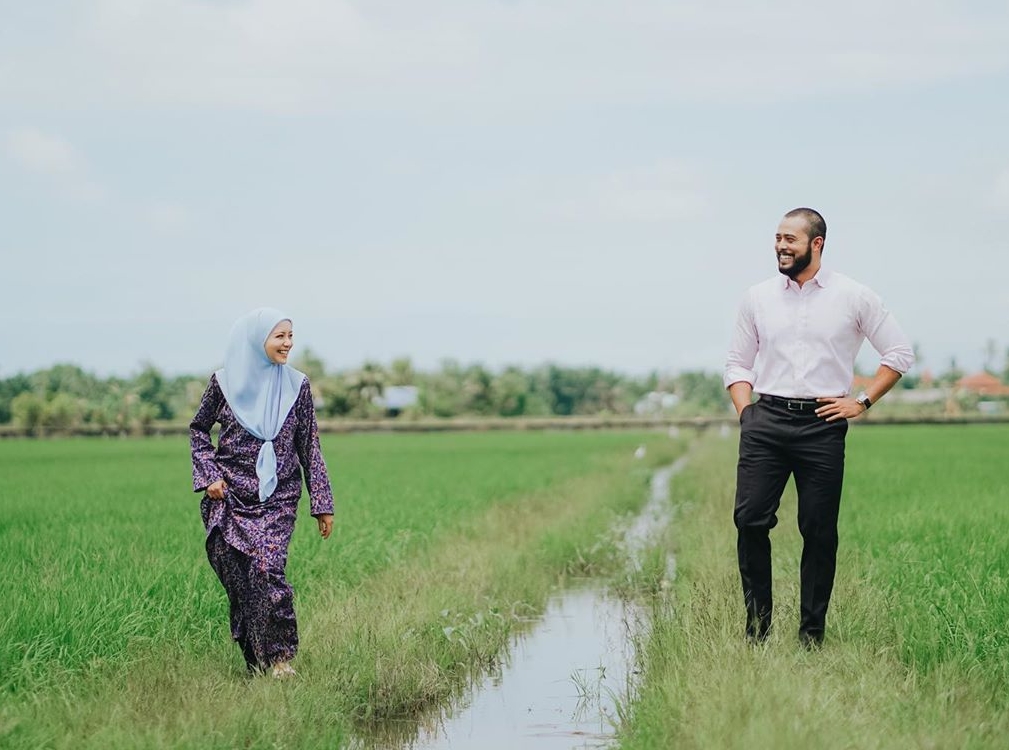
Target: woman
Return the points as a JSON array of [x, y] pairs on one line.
[[252, 482]]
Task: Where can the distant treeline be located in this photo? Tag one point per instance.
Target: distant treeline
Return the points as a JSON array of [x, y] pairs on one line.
[[65, 398]]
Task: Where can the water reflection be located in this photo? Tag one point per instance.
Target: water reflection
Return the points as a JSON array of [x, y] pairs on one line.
[[562, 681], [561, 685]]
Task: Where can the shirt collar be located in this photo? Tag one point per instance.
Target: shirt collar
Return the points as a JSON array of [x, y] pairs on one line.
[[822, 279]]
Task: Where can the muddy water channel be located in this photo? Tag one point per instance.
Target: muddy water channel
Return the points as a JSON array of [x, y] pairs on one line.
[[563, 679]]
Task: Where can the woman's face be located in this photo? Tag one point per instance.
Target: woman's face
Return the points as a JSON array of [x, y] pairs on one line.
[[279, 343]]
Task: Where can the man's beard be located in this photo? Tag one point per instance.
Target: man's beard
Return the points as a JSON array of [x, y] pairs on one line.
[[799, 263]]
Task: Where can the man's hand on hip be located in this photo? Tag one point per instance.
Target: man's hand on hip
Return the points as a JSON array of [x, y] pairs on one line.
[[844, 407]]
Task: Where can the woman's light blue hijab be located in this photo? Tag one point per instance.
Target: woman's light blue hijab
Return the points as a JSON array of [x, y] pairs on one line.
[[260, 393]]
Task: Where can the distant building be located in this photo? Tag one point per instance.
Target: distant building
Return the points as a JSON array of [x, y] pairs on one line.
[[656, 402], [395, 398], [917, 395], [925, 393], [982, 384], [991, 408]]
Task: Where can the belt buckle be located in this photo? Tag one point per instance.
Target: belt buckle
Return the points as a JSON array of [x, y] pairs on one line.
[[793, 405]]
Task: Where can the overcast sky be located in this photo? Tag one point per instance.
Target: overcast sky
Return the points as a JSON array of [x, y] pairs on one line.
[[578, 181]]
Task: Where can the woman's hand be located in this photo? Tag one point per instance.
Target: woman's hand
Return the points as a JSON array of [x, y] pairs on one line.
[[325, 524], [216, 490]]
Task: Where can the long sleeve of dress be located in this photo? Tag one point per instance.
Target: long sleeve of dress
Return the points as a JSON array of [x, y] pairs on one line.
[[205, 468], [306, 442]]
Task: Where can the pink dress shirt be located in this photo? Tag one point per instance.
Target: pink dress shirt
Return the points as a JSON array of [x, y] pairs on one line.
[[801, 342]]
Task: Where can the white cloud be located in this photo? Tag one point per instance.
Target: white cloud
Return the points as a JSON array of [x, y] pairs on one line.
[[53, 158], [661, 192], [167, 217], [41, 153], [1000, 192], [338, 55], [290, 56]]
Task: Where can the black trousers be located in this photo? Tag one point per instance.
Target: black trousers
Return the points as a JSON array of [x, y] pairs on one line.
[[777, 441]]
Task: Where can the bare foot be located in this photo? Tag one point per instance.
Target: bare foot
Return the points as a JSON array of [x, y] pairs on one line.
[[282, 670]]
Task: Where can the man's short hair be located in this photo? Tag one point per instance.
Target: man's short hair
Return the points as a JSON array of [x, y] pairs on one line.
[[817, 227]]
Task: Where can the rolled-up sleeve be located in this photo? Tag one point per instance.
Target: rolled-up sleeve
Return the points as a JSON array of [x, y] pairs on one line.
[[306, 440], [205, 469], [743, 347], [885, 334]]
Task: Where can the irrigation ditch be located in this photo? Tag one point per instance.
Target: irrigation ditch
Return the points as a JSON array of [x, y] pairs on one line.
[[568, 675]]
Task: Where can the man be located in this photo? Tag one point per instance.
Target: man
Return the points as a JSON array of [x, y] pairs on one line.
[[795, 343]]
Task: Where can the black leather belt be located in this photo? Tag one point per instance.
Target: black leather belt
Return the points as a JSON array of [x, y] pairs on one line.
[[792, 404]]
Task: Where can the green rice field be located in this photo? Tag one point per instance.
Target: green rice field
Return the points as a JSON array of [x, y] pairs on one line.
[[917, 646], [113, 629]]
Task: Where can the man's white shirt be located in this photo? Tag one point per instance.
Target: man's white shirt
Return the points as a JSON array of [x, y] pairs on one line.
[[801, 342]]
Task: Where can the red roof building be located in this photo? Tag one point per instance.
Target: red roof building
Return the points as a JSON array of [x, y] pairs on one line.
[[983, 384]]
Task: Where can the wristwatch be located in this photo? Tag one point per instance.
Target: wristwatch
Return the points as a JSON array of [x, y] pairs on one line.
[[864, 400]]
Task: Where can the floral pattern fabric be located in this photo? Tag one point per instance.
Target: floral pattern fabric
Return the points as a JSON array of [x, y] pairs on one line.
[[247, 540]]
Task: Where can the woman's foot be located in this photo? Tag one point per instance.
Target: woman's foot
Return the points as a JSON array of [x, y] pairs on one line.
[[283, 670]]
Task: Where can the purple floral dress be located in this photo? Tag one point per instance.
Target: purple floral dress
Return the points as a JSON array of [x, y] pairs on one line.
[[247, 539]]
